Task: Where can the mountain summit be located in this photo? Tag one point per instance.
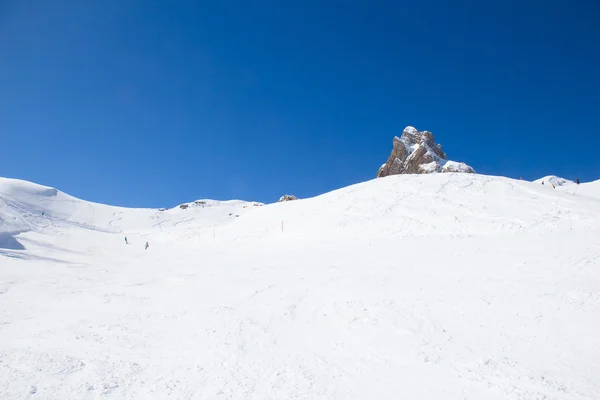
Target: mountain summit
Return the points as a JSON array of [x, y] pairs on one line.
[[417, 153]]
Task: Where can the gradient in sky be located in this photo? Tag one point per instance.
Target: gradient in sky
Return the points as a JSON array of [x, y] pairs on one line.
[[153, 103]]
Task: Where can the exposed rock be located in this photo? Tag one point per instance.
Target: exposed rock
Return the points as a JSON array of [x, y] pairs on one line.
[[287, 197], [417, 153]]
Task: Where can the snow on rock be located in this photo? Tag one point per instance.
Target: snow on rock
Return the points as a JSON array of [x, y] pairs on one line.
[[416, 152], [433, 286], [554, 180], [411, 130], [287, 197], [453, 166]]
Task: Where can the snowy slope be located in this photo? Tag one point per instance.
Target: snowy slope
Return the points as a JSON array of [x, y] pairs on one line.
[[25, 206], [443, 286], [588, 189], [411, 206]]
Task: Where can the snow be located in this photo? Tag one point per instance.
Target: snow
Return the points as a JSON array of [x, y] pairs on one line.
[[411, 130], [445, 166], [554, 180], [431, 167], [25, 207], [588, 189], [454, 166], [411, 147], [442, 286], [409, 139]]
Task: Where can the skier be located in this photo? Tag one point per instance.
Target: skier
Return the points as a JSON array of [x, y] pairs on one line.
[[147, 245], [542, 182], [577, 181], [126, 240]]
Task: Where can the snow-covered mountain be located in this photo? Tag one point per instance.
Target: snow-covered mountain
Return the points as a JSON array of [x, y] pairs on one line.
[[417, 153], [427, 286]]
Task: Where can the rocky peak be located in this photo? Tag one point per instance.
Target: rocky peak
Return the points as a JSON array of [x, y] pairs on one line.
[[416, 152]]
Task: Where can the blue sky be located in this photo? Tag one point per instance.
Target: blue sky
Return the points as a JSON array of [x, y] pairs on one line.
[[153, 103]]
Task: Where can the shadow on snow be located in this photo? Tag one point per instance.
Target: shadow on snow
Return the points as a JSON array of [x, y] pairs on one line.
[[9, 242]]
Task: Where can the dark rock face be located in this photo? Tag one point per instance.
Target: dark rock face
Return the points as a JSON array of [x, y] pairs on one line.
[[417, 153]]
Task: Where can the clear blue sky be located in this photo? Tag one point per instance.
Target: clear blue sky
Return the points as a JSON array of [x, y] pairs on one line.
[[153, 103]]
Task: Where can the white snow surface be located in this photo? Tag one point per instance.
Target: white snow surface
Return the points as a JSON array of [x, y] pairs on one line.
[[26, 206], [441, 286], [587, 189], [554, 180]]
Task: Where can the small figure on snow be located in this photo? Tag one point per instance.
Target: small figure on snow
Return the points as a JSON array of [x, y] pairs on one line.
[[126, 242], [542, 182], [146, 247], [577, 181]]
